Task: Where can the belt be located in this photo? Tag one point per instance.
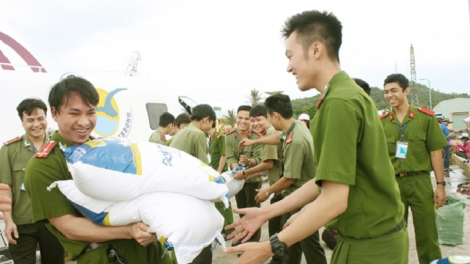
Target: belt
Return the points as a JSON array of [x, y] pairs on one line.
[[397, 228], [408, 174]]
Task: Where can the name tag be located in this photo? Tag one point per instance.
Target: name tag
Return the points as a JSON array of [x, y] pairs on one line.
[[402, 149]]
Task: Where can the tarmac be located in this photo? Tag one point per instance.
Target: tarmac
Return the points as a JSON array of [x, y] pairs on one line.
[[458, 177]]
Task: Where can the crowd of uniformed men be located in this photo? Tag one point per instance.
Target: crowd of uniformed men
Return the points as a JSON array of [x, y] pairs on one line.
[[353, 172]]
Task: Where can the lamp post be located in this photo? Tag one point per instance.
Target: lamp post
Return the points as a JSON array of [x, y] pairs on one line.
[[429, 86]]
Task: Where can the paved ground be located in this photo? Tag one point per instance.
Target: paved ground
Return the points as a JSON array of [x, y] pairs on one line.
[[453, 179]]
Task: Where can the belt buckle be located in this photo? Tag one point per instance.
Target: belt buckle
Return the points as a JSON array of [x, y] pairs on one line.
[[402, 174]]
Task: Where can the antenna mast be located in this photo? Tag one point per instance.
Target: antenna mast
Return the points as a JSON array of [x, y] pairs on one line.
[[414, 92]]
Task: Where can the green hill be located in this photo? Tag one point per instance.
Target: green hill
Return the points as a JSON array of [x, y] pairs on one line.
[[308, 105]]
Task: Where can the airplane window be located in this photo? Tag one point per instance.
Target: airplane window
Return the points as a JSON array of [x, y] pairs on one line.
[[154, 111]]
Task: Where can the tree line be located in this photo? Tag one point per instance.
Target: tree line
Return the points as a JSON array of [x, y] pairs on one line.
[[308, 105]]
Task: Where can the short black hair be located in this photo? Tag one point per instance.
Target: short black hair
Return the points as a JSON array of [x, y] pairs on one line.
[[398, 78], [201, 111], [166, 119], [281, 104], [72, 84], [314, 26], [183, 118], [363, 84], [29, 106], [244, 108], [258, 110]]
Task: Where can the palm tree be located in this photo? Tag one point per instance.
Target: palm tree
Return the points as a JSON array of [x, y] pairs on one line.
[[231, 119], [255, 97]]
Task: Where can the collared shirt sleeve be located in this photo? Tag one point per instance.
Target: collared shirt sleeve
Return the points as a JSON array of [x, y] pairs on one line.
[[293, 158], [5, 167], [200, 149], [342, 125], [230, 150], [435, 139]]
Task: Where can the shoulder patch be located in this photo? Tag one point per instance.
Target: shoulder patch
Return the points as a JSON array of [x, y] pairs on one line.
[[13, 140], [230, 132], [384, 115], [426, 111], [45, 150], [217, 135], [289, 138], [163, 138], [249, 134]]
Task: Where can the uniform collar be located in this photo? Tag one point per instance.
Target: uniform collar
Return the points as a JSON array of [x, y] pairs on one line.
[[63, 143], [28, 144], [337, 78], [410, 115]]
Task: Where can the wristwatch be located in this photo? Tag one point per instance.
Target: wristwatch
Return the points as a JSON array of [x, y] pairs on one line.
[[266, 192], [441, 182], [279, 248]]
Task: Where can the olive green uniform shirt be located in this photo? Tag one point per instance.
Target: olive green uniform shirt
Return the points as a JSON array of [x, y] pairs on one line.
[[217, 150], [232, 150], [193, 141], [13, 159], [40, 173], [158, 137], [298, 156], [423, 135], [272, 152], [350, 148]]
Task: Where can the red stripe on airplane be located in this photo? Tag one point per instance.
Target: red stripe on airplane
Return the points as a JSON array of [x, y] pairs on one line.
[[24, 53], [5, 60]]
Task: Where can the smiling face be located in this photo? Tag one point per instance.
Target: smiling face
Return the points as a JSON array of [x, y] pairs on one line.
[[259, 124], [76, 120], [243, 120], [395, 95], [302, 65], [35, 124]]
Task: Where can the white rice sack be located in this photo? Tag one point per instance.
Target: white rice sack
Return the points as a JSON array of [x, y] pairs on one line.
[[113, 169], [234, 186], [188, 223]]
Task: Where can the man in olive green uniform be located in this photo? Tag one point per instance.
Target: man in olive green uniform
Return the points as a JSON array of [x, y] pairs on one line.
[[244, 158], [193, 140], [415, 143], [297, 169], [270, 164], [73, 104], [181, 121], [165, 126], [359, 195], [22, 234], [217, 162]]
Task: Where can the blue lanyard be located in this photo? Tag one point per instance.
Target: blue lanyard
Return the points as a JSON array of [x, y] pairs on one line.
[[402, 131]]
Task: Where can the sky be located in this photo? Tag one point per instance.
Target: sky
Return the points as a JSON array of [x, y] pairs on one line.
[[217, 51]]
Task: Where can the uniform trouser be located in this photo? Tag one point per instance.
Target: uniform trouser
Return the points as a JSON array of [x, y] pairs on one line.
[[417, 193], [24, 252], [446, 156], [310, 246], [132, 252], [227, 213], [390, 249], [275, 224], [246, 198]]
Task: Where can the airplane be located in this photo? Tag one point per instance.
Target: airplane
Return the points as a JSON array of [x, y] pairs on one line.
[[130, 102]]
